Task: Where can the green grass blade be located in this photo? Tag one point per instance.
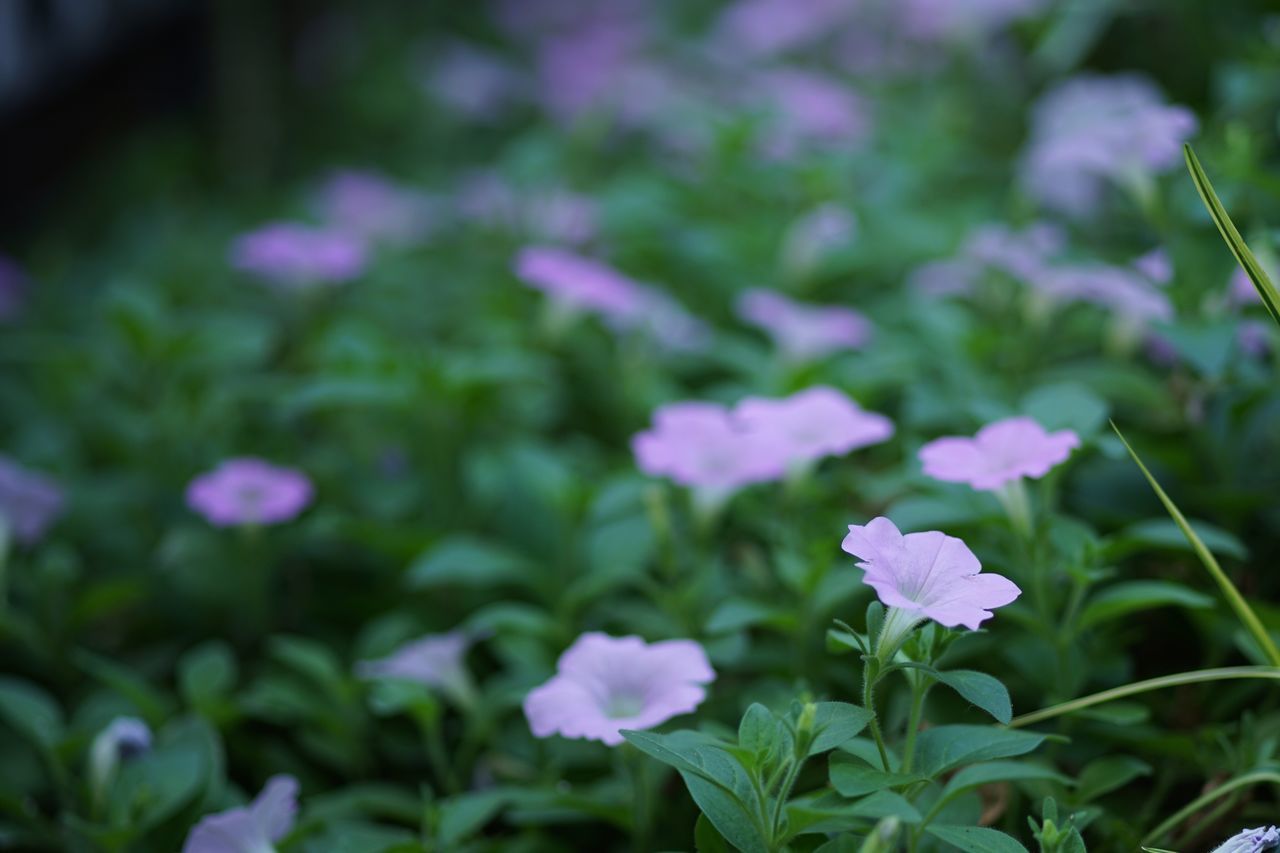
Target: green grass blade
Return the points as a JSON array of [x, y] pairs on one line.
[[1226, 673], [1237, 601], [1267, 290], [1252, 778]]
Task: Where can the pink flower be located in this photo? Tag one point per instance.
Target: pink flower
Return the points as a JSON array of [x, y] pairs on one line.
[[1022, 255], [701, 445], [1001, 452], [29, 502], [802, 331], [1123, 290], [294, 256], [944, 278], [813, 423], [434, 660], [1093, 129], [761, 28], [554, 215], [249, 491], [963, 20], [605, 684], [370, 207], [808, 109], [1156, 266], [578, 281], [249, 829], [927, 575], [823, 230]]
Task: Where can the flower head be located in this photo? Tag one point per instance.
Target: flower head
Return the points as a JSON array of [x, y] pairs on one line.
[[813, 423], [816, 234], [1255, 840], [960, 20], [123, 738], [1092, 129], [29, 501], [434, 660], [1022, 255], [1156, 265], [927, 575], [249, 491], [577, 281], [804, 331], [702, 445], [760, 28], [249, 829], [948, 277], [605, 684], [293, 256], [474, 82], [1000, 453], [808, 109], [1129, 294], [370, 207]]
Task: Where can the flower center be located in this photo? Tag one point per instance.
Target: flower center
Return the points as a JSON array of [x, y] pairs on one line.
[[623, 706]]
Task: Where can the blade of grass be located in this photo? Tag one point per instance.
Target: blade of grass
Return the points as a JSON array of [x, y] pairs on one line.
[[1225, 673], [1267, 290], [1244, 612], [1252, 778]]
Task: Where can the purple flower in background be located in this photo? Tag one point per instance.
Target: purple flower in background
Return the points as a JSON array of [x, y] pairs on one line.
[[703, 446], [434, 660], [951, 277], [295, 256], [1254, 337], [1122, 290], [370, 207], [1257, 840], [581, 69], [1156, 265], [249, 829], [13, 286], [249, 491], [759, 28], [29, 501], [1159, 350], [1241, 291], [667, 322], [963, 20], [807, 109], [1001, 453], [474, 82], [1092, 129], [605, 684], [553, 215], [824, 229], [926, 576], [813, 423], [1022, 255], [123, 738], [802, 331], [578, 282]]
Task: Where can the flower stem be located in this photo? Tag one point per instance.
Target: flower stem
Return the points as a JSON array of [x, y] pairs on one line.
[[918, 690], [868, 702], [641, 823], [1200, 802], [1220, 674]]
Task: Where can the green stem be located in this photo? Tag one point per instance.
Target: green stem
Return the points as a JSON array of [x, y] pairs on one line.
[[1220, 674], [437, 757], [919, 688], [868, 702], [784, 793], [1200, 802], [641, 824]]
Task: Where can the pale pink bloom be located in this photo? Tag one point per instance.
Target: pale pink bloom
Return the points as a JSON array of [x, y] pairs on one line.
[[1020, 254], [1093, 129], [950, 277], [703, 446], [1127, 293], [29, 501], [813, 423], [1254, 337], [254, 828], [606, 684], [1156, 266], [759, 28], [582, 69], [370, 207], [477, 83], [435, 660], [249, 491], [1241, 291], [294, 256], [1260, 839], [804, 331], [552, 215], [1001, 452], [825, 229], [578, 281], [927, 575], [807, 109]]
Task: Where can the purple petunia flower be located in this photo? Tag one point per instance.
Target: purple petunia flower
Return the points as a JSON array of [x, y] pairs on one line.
[[249, 829], [370, 207], [1156, 265], [760, 28], [804, 332], [813, 423], [816, 234], [963, 20], [1254, 337], [123, 738], [1257, 840], [29, 501], [13, 286], [434, 660], [1131, 296], [1093, 129], [1022, 255], [293, 256], [1000, 453], [554, 215], [952, 277], [808, 109], [605, 684], [926, 576], [249, 491], [701, 445]]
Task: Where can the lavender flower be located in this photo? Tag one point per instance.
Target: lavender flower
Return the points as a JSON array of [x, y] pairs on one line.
[[804, 332], [1254, 337], [1131, 296], [582, 69], [1257, 840], [249, 491], [1241, 290], [29, 501], [952, 277], [759, 28], [926, 576], [813, 423], [293, 256], [816, 234], [808, 110], [123, 739], [1022, 255], [701, 445], [1156, 266], [1093, 129], [249, 829], [13, 286], [434, 661], [1001, 453], [551, 215], [963, 20], [605, 684], [474, 82], [370, 207]]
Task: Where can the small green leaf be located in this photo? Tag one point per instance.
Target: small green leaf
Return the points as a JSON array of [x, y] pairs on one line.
[[836, 723], [856, 779], [944, 748], [706, 839], [1109, 773], [976, 775], [1132, 596], [31, 712], [463, 815], [466, 561], [982, 690], [976, 839], [758, 730]]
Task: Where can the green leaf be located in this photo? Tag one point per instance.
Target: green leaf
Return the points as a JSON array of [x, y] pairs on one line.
[[837, 723], [976, 839], [1244, 257], [827, 813], [739, 613], [1131, 596], [943, 748], [1165, 533], [1244, 612], [758, 730], [981, 689], [976, 775], [1067, 405], [153, 704], [467, 561], [706, 839], [31, 712], [727, 813], [207, 672], [1104, 775], [463, 815], [856, 779]]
